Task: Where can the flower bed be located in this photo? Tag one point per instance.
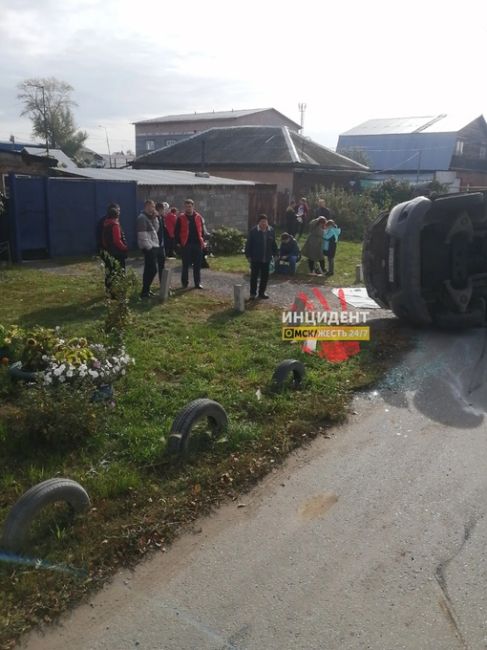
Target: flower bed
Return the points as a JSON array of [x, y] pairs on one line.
[[44, 354]]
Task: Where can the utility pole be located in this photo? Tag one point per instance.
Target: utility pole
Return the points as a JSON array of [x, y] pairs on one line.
[[108, 145], [44, 112], [302, 109]]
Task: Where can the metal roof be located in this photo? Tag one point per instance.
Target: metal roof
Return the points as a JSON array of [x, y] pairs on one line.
[[62, 159], [424, 124], [154, 177], [212, 115]]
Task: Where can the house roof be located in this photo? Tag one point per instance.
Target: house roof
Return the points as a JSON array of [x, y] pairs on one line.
[[154, 177], [213, 115], [425, 124], [62, 159], [249, 145]]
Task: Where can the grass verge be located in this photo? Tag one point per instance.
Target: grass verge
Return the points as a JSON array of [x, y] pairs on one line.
[[349, 254], [195, 346]]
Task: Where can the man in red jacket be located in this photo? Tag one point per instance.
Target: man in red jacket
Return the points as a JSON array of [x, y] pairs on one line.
[[113, 244], [188, 234]]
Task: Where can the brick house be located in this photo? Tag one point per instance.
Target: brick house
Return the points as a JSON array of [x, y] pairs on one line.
[[164, 131], [263, 154]]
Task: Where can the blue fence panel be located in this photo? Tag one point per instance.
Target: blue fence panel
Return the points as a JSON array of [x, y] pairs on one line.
[[58, 216], [31, 221]]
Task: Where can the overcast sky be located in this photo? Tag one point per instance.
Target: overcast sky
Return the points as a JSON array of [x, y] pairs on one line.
[[349, 61]]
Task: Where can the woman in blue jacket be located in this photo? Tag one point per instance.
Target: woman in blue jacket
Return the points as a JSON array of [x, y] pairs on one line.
[[331, 234]]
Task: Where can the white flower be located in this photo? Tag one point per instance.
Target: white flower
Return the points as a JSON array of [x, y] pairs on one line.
[[70, 373], [93, 373], [62, 379]]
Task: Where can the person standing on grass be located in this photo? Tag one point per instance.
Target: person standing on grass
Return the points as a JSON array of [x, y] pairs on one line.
[[170, 218], [189, 235], [113, 246], [290, 218], [161, 253], [322, 210], [148, 242], [260, 248], [331, 235], [313, 246], [302, 212]]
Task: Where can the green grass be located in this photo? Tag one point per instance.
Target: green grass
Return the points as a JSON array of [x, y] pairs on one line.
[[347, 257], [193, 346]]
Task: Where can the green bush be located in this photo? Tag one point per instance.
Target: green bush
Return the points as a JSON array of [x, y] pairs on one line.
[[353, 212], [227, 241], [56, 416]]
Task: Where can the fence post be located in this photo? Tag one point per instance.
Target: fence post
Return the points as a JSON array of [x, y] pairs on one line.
[[165, 284], [239, 298], [359, 274]]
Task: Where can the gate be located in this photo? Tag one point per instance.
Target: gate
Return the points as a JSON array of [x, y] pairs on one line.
[[56, 217]]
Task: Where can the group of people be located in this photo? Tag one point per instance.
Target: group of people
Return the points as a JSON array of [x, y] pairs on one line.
[[160, 231], [261, 250]]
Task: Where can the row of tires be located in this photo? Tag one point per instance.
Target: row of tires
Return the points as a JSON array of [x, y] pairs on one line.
[[26, 509]]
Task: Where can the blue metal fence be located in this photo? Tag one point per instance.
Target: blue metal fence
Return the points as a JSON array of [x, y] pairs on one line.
[[56, 217]]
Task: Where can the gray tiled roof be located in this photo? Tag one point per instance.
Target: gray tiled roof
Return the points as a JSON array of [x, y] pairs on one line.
[[248, 145]]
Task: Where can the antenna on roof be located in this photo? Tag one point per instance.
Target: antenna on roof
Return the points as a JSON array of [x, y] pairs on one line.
[[302, 110]]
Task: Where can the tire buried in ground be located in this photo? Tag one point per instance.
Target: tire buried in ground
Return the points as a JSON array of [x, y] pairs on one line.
[[25, 510], [185, 420], [284, 370]]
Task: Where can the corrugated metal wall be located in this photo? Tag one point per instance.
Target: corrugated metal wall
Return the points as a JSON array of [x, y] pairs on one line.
[[57, 217]]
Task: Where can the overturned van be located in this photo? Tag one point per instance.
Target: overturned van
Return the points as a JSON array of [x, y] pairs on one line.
[[426, 260]]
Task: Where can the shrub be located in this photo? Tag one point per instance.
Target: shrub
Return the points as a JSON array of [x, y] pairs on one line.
[[56, 416], [352, 212], [227, 241]]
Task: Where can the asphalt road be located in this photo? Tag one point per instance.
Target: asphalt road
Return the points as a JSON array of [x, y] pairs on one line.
[[374, 538]]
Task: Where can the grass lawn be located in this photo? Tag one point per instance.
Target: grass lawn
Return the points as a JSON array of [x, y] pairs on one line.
[[347, 257], [194, 346]]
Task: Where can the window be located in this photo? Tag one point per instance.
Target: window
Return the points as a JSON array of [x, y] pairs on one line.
[[150, 145], [459, 148]]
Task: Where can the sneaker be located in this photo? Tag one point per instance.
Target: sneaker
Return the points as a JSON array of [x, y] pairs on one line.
[[252, 296], [198, 286], [264, 296]]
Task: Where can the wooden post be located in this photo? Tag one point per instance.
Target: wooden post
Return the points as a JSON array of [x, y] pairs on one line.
[[165, 284], [359, 274], [239, 298]]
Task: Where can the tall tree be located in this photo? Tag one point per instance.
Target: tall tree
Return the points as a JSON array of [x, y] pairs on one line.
[[48, 104]]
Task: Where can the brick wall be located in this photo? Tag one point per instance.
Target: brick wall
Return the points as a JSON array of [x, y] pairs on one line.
[[219, 205]]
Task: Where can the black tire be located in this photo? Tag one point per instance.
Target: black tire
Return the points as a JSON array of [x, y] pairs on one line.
[[451, 320], [16, 372], [185, 420], [31, 502], [282, 372]]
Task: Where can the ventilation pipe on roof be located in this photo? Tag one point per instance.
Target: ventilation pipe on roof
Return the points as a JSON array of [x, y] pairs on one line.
[[203, 173]]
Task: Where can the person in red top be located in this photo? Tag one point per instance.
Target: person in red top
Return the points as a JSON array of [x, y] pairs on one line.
[[188, 234], [114, 247], [170, 219]]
